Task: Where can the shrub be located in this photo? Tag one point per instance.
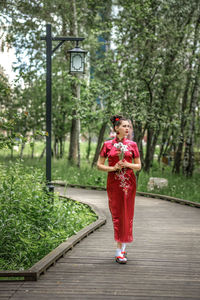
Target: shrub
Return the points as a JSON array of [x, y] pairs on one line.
[[31, 223]]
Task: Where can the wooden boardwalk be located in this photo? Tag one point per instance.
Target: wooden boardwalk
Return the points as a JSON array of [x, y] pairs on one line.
[[163, 261]]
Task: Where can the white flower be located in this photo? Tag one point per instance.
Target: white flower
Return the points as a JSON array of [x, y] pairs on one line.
[[116, 145], [121, 146], [124, 148]]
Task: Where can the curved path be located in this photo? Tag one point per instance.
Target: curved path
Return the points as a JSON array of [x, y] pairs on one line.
[[163, 261]]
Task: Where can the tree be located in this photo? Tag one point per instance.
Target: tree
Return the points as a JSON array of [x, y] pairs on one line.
[[151, 76], [151, 52], [192, 39], [28, 19]]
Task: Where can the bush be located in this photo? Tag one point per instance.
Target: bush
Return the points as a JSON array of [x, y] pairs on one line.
[[31, 223], [179, 186]]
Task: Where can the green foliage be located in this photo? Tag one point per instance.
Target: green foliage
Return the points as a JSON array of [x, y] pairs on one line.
[[150, 75], [158, 55], [5, 89], [15, 134], [31, 223], [178, 185], [10, 126], [74, 175]]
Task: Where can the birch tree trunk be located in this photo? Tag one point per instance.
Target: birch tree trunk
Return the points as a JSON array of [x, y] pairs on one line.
[[139, 132], [74, 147], [32, 150], [184, 117], [188, 162], [99, 143], [89, 146], [152, 137], [78, 130], [22, 150]]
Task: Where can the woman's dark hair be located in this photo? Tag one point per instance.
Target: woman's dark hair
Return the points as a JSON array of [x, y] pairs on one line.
[[116, 120]]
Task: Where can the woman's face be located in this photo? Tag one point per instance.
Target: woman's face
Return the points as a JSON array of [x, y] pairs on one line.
[[123, 128]]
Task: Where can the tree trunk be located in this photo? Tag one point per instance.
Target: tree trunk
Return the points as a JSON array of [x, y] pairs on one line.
[[64, 142], [55, 147], [61, 148], [164, 143], [11, 152], [22, 150], [74, 148], [152, 138], [32, 149], [178, 154], [161, 148], [78, 89], [43, 152], [184, 117], [138, 137], [188, 162], [78, 143], [89, 147], [99, 143], [73, 142], [147, 161]]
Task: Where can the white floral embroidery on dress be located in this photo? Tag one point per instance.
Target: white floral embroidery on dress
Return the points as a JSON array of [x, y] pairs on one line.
[[124, 184], [120, 175]]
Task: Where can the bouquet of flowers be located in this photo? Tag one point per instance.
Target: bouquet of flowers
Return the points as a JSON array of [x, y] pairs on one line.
[[122, 148]]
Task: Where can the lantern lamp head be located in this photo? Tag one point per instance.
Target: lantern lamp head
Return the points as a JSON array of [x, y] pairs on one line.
[[77, 60]]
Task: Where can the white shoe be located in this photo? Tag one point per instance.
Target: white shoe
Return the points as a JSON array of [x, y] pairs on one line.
[[121, 259]]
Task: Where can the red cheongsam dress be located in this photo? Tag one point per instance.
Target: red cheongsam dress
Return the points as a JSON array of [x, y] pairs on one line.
[[121, 189]]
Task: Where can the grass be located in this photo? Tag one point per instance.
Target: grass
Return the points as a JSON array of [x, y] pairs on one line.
[[31, 223], [179, 186]]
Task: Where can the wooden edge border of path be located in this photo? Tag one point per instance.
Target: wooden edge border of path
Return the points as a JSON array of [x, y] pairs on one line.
[[144, 194], [50, 259]]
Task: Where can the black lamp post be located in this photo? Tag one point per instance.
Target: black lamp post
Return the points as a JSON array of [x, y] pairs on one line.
[[77, 65]]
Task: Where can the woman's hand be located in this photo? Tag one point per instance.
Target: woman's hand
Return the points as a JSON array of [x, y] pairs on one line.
[[124, 164], [136, 166], [117, 166]]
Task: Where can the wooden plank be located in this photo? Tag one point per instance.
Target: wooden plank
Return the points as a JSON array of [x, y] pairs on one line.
[[163, 261], [121, 291], [169, 198], [25, 275], [145, 194], [37, 269], [115, 295], [63, 248]]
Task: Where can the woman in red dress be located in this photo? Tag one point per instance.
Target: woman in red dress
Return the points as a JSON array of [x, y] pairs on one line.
[[123, 158]]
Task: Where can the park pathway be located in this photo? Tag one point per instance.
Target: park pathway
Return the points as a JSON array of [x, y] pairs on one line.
[[163, 261]]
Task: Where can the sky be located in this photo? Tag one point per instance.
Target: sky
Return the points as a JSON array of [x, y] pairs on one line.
[[6, 60]]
